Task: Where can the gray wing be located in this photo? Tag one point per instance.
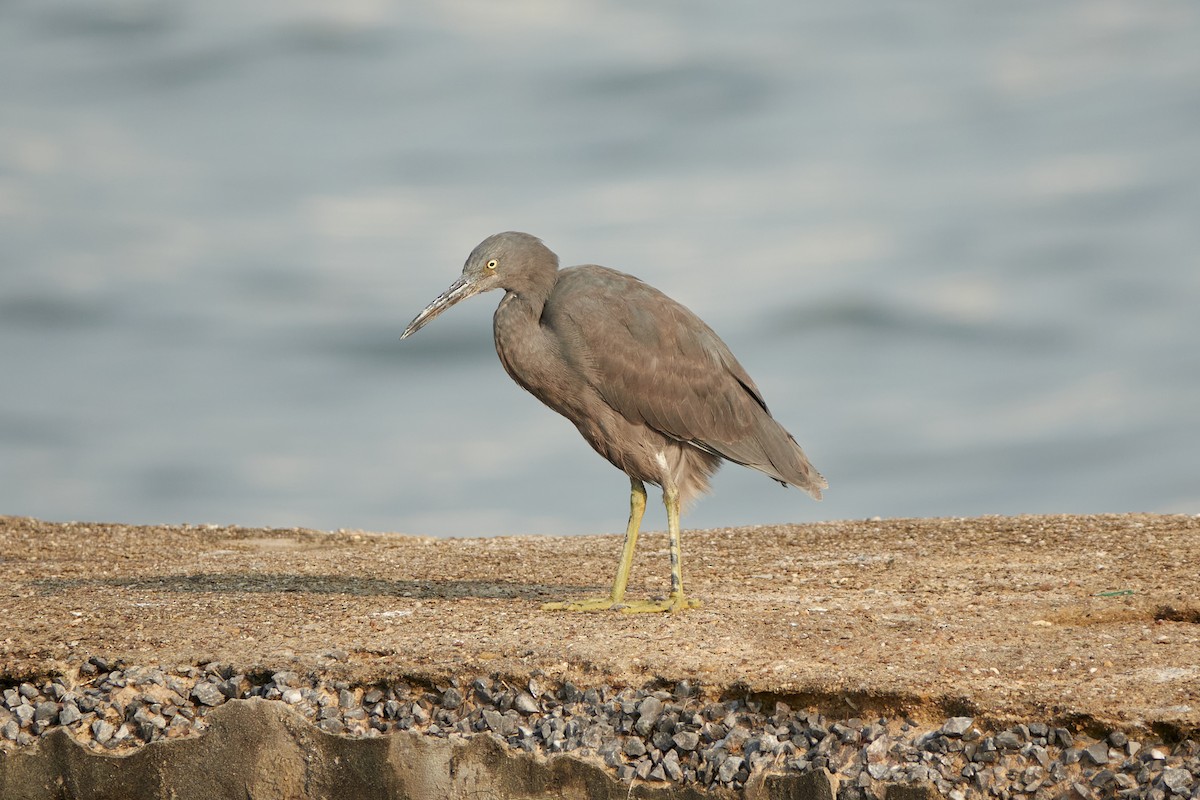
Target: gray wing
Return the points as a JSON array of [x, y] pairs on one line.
[[657, 363]]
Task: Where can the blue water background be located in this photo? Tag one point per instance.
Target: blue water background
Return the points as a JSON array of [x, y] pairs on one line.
[[957, 245]]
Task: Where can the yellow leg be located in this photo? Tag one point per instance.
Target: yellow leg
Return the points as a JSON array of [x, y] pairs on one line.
[[677, 600], [637, 507]]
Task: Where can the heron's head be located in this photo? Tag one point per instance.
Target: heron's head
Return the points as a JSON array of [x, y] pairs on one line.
[[509, 261]]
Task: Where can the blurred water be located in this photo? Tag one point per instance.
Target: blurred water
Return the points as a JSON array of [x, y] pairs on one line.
[[956, 245]]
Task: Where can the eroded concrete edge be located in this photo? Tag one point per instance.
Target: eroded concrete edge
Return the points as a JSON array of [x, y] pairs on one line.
[[264, 750]]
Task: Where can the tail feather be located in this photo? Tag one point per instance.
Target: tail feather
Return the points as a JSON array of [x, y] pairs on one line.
[[791, 465], [770, 449]]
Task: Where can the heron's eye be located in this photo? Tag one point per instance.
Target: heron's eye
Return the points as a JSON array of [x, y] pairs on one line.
[[491, 264]]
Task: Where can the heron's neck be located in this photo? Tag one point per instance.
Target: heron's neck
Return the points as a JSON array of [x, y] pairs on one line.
[[524, 347], [519, 315], [528, 297]]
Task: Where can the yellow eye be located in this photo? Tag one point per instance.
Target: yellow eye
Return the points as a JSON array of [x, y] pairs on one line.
[[491, 264]]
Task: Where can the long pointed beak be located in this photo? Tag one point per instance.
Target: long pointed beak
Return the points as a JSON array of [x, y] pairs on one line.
[[460, 290]]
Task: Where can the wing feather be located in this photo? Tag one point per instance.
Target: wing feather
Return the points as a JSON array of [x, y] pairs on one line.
[[656, 363]]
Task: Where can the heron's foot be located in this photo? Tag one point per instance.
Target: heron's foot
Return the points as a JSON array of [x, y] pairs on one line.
[[590, 604], [670, 604]]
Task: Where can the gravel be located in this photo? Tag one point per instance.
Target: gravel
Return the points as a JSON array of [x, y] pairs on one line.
[[640, 734]]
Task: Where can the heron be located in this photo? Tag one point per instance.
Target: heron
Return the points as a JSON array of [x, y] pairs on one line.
[[646, 382]]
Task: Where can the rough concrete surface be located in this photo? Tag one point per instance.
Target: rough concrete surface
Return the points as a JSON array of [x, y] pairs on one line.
[[1091, 623]]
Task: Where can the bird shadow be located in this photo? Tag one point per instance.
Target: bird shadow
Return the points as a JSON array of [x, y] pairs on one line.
[[275, 583]]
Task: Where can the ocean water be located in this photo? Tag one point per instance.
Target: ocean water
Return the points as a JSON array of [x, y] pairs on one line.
[[957, 246]]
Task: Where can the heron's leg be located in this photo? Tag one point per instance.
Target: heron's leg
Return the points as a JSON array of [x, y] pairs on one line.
[[676, 600], [637, 507], [671, 500]]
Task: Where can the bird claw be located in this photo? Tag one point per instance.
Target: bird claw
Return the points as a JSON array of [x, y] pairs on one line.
[[670, 604], [591, 604]]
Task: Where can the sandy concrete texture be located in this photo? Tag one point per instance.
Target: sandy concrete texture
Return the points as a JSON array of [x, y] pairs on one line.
[[1078, 619]]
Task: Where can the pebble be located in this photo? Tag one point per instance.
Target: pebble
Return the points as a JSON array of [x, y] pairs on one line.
[[1176, 779], [526, 704], [671, 766], [957, 726], [671, 736], [729, 768], [208, 694], [651, 707], [1008, 740], [69, 714], [1096, 753], [569, 693], [452, 698], [102, 730], [46, 711]]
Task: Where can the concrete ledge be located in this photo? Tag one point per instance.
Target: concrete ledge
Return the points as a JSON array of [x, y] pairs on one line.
[[1065, 640], [262, 750], [259, 749]]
